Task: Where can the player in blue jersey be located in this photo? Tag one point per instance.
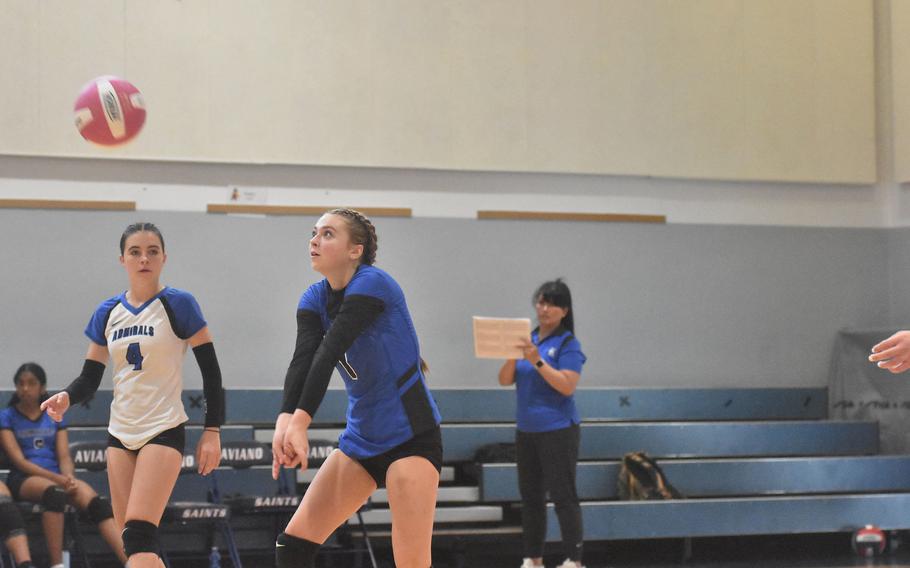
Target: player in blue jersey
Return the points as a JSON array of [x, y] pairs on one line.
[[548, 434], [356, 319], [145, 332], [42, 469]]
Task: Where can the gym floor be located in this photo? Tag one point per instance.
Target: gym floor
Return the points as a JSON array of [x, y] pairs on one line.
[[787, 551]]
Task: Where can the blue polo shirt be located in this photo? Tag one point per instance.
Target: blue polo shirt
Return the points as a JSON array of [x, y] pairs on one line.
[[540, 407]]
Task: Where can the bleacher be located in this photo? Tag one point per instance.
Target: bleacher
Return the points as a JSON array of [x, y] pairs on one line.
[[749, 461]]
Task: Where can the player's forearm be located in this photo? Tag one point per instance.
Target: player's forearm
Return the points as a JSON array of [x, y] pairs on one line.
[[88, 381], [507, 373], [309, 336]]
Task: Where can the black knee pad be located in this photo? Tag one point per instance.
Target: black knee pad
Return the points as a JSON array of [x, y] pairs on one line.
[[11, 522], [140, 536], [54, 499], [293, 552], [99, 510]]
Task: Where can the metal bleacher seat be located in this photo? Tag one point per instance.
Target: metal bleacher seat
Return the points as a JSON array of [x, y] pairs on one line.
[[733, 516], [196, 500], [613, 404], [749, 460], [716, 478], [204, 511], [688, 439], [246, 455]]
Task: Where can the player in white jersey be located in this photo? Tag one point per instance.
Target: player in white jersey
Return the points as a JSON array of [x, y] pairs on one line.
[[145, 332]]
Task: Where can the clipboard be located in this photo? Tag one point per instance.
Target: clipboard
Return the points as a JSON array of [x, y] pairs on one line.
[[498, 338]]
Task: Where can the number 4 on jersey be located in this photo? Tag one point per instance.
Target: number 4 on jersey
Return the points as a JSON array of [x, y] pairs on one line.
[[134, 356]]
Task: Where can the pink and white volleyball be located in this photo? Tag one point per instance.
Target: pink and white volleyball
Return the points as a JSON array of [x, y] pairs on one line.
[[109, 111]]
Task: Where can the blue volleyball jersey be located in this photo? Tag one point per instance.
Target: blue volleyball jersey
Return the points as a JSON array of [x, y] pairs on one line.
[[36, 438], [540, 407], [388, 399], [147, 345]]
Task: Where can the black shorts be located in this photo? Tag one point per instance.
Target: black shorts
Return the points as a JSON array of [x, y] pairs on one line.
[[426, 445], [173, 438], [14, 481]]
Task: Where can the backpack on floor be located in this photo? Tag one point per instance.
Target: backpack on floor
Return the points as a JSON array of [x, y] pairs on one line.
[[641, 479]]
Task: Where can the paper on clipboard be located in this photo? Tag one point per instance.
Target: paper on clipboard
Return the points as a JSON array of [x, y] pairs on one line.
[[498, 338]]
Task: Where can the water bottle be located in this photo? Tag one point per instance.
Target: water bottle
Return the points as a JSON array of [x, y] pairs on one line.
[[215, 558]]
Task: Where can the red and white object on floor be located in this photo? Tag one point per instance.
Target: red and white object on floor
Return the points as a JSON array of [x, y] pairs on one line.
[[869, 541], [109, 111]]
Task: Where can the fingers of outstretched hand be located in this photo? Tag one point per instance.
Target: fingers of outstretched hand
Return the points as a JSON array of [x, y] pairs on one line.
[[55, 406], [886, 344], [208, 460], [885, 354], [893, 365], [276, 466]]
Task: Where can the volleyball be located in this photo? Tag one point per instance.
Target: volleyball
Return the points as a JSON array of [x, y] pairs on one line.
[[109, 111]]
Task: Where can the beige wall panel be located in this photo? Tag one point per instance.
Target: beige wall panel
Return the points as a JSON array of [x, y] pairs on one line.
[[489, 67], [576, 106], [810, 90], [256, 81], [333, 104], [845, 54], [79, 41], [900, 74], [19, 72], [691, 87], [169, 60], [411, 88], [729, 89], [290, 84], [780, 85]]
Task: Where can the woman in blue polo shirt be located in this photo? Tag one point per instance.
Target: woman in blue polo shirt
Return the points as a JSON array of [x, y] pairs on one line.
[[548, 434]]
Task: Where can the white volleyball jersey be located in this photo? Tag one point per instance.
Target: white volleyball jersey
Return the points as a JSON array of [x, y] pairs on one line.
[[147, 345]]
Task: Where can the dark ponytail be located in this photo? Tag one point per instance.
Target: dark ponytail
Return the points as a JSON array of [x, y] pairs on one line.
[[556, 292], [35, 369]]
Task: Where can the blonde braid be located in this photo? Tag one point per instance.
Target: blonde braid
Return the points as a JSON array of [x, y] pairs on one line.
[[362, 233]]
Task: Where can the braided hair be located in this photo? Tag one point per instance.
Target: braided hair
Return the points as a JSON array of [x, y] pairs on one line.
[[362, 232]]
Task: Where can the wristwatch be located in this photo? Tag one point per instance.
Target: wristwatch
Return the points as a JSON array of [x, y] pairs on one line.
[[539, 364]]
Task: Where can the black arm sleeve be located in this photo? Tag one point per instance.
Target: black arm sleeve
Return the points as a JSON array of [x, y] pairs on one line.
[[85, 385], [309, 335], [355, 315], [211, 383]]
